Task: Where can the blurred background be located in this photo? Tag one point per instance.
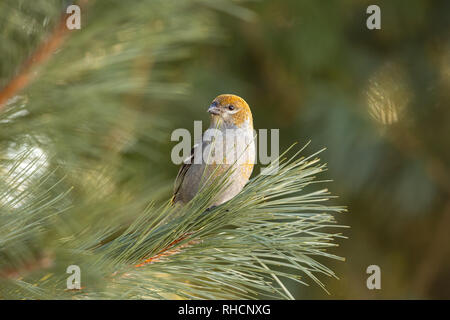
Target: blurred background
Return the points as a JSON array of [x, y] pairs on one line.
[[378, 100]]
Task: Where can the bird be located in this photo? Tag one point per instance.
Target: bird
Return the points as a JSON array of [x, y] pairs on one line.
[[228, 144]]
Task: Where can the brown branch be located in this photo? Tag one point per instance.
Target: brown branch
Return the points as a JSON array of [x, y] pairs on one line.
[[39, 57], [169, 250], [43, 53]]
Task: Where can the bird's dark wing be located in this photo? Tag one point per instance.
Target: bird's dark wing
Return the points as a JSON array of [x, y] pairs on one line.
[[184, 168]]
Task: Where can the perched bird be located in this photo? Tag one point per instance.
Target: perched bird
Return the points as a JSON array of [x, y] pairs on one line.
[[228, 144]]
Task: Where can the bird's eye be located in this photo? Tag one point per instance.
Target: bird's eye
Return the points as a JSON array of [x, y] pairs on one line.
[[230, 107]]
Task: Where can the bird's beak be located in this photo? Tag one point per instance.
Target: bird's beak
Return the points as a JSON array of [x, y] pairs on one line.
[[214, 109]]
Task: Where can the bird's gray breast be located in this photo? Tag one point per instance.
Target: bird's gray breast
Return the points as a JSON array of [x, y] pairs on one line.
[[220, 151]]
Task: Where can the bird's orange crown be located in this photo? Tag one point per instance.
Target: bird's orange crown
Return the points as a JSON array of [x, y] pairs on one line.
[[240, 110]]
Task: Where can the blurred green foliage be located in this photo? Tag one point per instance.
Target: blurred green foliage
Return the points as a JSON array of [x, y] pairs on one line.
[[377, 99], [313, 69]]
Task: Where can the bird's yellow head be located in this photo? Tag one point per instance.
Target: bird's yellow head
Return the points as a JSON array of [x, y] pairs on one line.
[[232, 110]]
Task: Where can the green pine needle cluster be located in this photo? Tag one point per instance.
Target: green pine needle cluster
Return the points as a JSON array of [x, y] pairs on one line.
[[85, 169]]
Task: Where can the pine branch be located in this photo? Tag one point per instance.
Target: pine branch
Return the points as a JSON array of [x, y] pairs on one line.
[[39, 57], [96, 114], [240, 245]]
